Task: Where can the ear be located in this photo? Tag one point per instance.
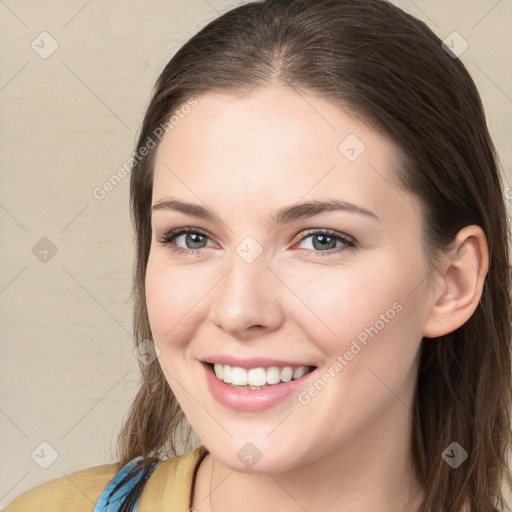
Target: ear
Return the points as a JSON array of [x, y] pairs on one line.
[[459, 282]]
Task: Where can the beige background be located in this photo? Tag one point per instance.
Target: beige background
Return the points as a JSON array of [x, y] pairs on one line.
[[68, 122]]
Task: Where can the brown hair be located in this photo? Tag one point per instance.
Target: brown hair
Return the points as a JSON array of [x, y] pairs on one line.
[[390, 69]]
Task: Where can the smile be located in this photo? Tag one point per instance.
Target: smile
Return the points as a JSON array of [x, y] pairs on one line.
[[250, 398], [258, 378]]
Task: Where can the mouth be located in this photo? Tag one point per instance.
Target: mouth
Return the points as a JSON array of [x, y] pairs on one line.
[[257, 378]]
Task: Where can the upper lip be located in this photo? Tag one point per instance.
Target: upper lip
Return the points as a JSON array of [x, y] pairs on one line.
[[252, 362]]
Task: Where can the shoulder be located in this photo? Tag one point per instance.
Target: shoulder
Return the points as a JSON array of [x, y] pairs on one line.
[[76, 492], [172, 482], [182, 466]]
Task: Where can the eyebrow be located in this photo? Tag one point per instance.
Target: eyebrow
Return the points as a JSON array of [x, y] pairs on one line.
[[281, 216]]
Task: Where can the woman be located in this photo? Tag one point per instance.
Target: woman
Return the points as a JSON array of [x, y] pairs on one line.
[[322, 272]]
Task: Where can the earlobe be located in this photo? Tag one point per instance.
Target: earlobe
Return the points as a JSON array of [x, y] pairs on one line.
[[460, 283]]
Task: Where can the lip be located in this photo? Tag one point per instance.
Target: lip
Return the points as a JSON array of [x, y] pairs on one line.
[[246, 400], [252, 362]]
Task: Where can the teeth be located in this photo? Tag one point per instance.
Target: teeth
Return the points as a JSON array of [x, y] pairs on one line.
[[299, 372], [227, 374], [287, 374], [273, 375], [255, 378], [240, 377]]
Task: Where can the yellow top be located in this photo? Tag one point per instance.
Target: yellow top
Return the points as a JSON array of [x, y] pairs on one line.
[[169, 488]]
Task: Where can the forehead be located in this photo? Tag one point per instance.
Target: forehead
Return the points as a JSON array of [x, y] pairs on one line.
[[276, 145]]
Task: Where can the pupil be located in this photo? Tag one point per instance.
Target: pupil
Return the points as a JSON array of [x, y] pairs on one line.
[[195, 235], [322, 245]]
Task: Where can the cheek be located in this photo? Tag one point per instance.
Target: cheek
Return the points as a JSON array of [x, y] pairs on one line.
[[175, 296], [159, 300], [365, 314], [338, 303], [169, 301], [387, 343]]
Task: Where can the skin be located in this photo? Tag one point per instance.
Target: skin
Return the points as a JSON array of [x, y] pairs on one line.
[[245, 156]]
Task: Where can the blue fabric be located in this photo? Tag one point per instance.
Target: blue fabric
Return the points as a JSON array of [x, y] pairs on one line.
[[112, 504]]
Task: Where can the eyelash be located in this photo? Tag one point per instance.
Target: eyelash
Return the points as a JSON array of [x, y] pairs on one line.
[[349, 242]]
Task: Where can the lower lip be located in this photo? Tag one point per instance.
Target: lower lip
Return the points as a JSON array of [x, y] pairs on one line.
[[246, 400]]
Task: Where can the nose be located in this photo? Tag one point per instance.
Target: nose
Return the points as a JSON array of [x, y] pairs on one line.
[[246, 301]]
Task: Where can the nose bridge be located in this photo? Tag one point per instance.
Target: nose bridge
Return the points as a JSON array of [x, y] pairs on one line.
[[248, 294]]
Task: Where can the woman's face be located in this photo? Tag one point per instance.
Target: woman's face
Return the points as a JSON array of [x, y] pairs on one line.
[[257, 293]]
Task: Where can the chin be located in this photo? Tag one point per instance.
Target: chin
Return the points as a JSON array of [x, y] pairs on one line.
[[256, 458]]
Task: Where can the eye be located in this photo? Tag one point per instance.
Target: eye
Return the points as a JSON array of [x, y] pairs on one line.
[[324, 242], [193, 237]]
